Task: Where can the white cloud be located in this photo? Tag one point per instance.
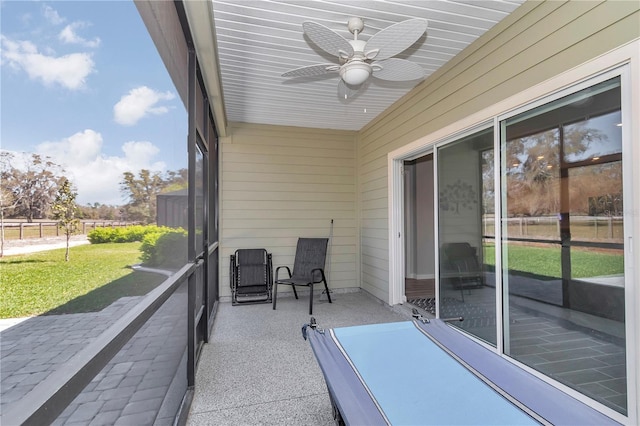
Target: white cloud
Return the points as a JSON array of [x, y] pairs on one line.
[[70, 36], [69, 71], [79, 148], [97, 176], [138, 103], [139, 152], [52, 15]]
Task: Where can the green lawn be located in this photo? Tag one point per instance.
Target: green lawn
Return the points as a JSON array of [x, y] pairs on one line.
[[95, 276], [545, 261]]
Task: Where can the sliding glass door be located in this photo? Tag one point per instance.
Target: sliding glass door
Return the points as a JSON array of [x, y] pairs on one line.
[[563, 241], [465, 214], [530, 238]]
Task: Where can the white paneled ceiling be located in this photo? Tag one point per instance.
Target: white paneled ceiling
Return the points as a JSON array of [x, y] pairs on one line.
[[259, 40]]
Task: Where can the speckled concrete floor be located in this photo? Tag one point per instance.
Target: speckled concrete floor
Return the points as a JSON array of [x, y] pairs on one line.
[[259, 370]]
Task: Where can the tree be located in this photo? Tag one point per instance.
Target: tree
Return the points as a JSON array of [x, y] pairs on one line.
[[65, 212], [176, 180], [488, 189], [32, 187], [533, 171], [141, 193], [533, 167], [7, 199], [99, 211], [108, 212]]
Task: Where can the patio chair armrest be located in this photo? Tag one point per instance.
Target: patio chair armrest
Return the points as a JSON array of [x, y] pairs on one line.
[[278, 272], [313, 273], [232, 272], [270, 269]]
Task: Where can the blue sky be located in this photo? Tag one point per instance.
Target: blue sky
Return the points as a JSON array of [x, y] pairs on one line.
[[83, 83]]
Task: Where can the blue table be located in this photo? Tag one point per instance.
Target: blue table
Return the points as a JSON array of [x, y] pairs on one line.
[[416, 373]]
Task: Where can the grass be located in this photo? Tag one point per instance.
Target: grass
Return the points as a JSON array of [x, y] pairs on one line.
[[545, 261], [96, 275]]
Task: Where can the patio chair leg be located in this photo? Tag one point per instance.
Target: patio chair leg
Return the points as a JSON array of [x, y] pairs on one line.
[[311, 300], [295, 293], [326, 288], [275, 295]]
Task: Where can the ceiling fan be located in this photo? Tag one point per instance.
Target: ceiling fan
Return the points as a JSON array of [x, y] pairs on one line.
[[358, 60]]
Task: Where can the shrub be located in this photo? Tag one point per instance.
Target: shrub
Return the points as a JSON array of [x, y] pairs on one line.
[[120, 235], [124, 235], [166, 248], [148, 247], [100, 235], [137, 232]]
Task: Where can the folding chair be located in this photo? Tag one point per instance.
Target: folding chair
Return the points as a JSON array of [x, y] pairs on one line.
[[251, 276], [308, 269]]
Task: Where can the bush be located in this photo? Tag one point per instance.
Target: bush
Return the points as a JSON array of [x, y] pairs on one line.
[[137, 232], [124, 235], [100, 235], [166, 248]]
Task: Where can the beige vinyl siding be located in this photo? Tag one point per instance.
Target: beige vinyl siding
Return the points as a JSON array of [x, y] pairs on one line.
[[281, 183], [538, 41]]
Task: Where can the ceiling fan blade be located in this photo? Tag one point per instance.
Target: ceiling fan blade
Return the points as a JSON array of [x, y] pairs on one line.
[[327, 39], [396, 69], [347, 92], [312, 70], [396, 38]]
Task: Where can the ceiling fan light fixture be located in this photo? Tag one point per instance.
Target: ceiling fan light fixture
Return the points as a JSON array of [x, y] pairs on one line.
[[355, 73]]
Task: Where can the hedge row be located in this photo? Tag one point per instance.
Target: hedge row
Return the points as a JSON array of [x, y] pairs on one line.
[[124, 235], [161, 246]]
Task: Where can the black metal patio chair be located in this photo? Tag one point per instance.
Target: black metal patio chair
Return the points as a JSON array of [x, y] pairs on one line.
[[461, 267], [308, 269]]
